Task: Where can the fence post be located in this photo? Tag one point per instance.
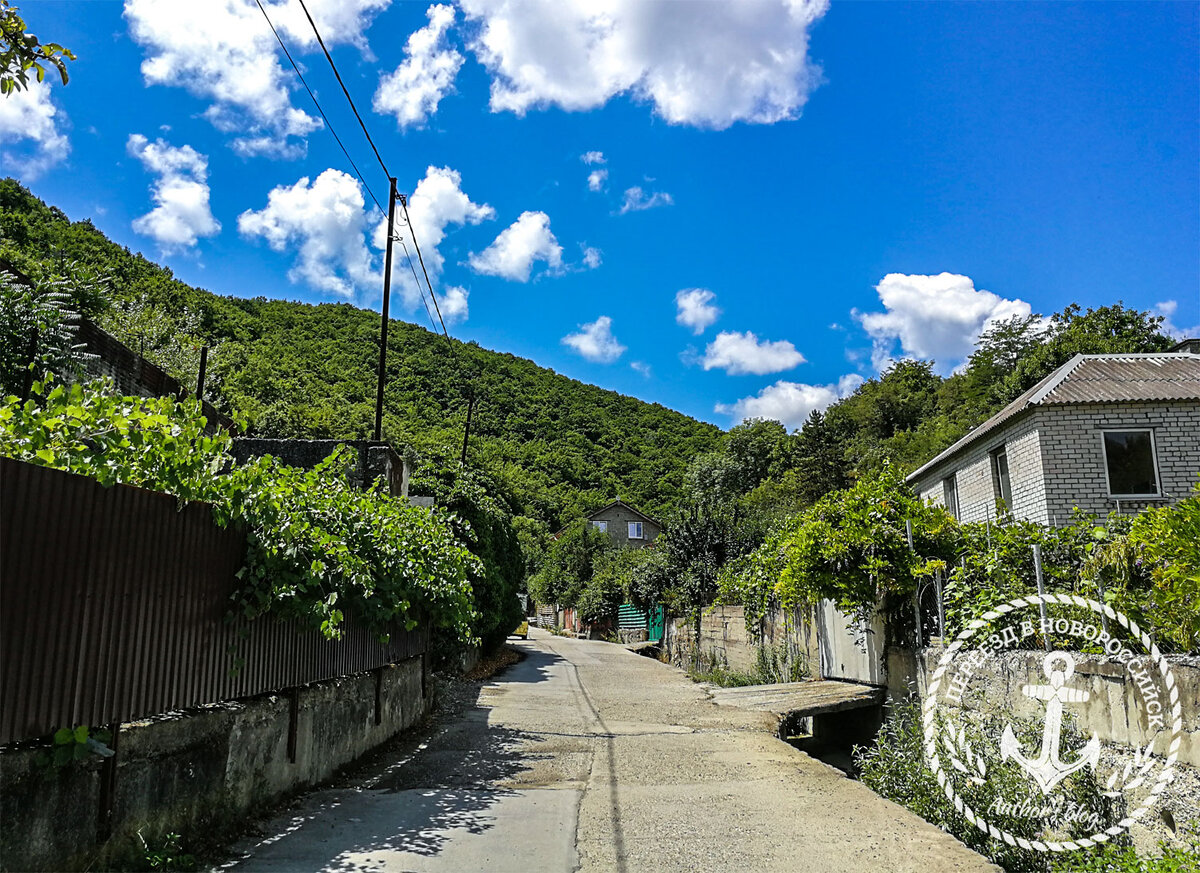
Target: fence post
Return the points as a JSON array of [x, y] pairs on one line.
[[937, 581], [1104, 601], [108, 783], [908, 532], [1037, 569]]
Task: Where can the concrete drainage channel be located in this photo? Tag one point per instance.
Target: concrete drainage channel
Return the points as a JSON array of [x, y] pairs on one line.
[[825, 718]]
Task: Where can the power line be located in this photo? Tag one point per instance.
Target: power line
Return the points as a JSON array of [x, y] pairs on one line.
[[366, 133], [420, 290], [317, 103], [345, 152], [378, 157], [412, 233], [329, 58]]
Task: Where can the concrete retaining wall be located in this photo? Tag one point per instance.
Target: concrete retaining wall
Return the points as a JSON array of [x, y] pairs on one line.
[[1113, 710], [196, 773]]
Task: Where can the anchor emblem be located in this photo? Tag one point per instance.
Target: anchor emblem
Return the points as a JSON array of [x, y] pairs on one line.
[[1047, 770]]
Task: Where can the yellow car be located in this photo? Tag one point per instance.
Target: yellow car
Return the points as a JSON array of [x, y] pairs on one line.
[[522, 630]]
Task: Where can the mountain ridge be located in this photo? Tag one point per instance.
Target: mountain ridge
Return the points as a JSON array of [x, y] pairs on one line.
[[296, 369]]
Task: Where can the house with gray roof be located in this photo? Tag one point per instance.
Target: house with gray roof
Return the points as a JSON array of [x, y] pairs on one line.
[[1102, 433], [625, 526]]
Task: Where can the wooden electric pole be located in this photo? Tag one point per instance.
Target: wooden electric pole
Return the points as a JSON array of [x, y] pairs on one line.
[[383, 327]]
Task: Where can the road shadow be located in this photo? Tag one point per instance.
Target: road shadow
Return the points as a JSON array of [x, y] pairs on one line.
[[432, 784]]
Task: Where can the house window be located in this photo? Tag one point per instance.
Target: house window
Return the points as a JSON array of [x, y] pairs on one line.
[[635, 530], [1130, 463], [950, 494], [1001, 484], [600, 526]]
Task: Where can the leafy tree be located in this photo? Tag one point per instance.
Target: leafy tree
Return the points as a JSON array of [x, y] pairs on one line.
[[648, 577], [755, 449], [1105, 330], [604, 593], [172, 341], [22, 52], [569, 564], [37, 333], [711, 478], [819, 463], [483, 522], [698, 543]]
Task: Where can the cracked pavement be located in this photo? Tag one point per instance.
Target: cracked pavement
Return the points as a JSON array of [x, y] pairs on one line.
[[585, 756]]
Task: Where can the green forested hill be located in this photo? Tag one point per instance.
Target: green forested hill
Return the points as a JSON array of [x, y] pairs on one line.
[[295, 369]]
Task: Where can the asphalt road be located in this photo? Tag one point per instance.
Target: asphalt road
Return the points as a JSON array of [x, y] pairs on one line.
[[588, 757]]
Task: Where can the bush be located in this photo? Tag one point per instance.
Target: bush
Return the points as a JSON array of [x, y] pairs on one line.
[[483, 521], [316, 548], [895, 768]]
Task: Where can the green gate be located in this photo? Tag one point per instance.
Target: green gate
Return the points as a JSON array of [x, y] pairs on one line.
[[630, 618], [657, 623]]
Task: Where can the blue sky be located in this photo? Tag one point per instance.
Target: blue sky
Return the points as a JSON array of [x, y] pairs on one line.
[[785, 195]]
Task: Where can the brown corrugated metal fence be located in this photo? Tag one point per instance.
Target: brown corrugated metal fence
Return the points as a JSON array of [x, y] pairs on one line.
[[113, 605]]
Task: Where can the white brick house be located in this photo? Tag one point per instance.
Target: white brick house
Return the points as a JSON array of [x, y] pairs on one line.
[[1102, 432]]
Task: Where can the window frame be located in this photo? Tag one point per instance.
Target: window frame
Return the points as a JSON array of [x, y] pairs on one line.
[[1153, 463], [1003, 504], [950, 492], [641, 530], [600, 525]]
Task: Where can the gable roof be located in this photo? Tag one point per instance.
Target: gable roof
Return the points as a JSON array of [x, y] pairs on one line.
[[619, 502], [1094, 379]]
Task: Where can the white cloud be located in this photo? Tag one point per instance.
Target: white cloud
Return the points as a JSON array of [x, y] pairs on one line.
[[742, 353], [933, 317], [641, 367], [182, 214], [425, 76], [789, 402], [592, 257], [702, 64], [695, 309], [592, 158], [437, 202], [636, 200], [1167, 310], [30, 115], [453, 303], [595, 341], [596, 179], [325, 224], [513, 253], [224, 52]]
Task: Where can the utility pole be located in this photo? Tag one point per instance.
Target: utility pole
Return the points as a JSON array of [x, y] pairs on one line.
[[467, 431], [387, 295]]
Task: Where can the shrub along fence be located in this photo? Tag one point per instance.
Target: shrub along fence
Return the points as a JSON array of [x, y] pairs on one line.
[[114, 605]]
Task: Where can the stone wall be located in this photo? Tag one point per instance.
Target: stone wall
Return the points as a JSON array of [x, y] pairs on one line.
[[373, 460], [725, 640], [134, 375], [196, 773]]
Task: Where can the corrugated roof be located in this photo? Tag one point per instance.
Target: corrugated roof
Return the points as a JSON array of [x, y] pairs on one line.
[[1095, 379]]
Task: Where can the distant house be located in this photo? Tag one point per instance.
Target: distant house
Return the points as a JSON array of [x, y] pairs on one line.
[[1102, 433], [625, 525]]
